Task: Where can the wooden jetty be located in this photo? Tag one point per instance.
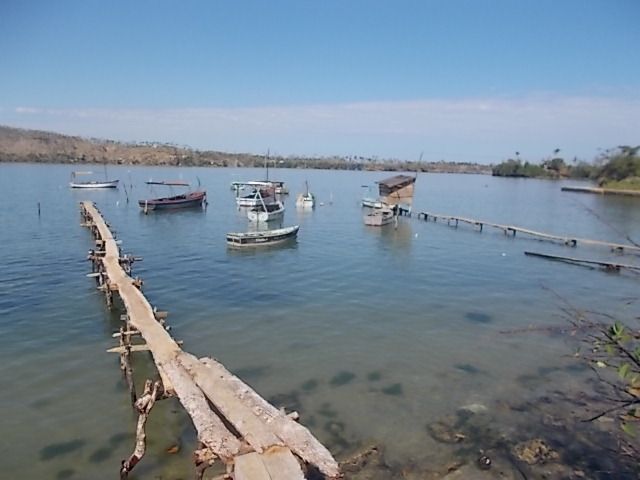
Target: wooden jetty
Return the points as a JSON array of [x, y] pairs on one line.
[[512, 230], [235, 425], [602, 191], [609, 266]]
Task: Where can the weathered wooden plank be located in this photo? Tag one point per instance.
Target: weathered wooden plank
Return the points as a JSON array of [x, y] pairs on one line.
[[214, 386], [276, 463], [250, 467], [281, 464], [211, 430], [295, 436]]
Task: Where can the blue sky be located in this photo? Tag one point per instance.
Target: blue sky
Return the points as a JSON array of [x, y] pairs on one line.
[[458, 80]]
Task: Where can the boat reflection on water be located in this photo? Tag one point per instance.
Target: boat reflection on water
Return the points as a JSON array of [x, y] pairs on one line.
[[397, 236]]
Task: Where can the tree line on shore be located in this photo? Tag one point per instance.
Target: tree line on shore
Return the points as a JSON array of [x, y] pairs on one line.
[[615, 168]]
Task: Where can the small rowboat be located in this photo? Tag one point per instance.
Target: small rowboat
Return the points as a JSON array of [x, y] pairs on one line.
[[91, 183], [185, 200], [266, 237], [94, 184]]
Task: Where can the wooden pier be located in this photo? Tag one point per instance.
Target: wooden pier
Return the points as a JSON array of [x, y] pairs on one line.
[[512, 230], [235, 425], [602, 191]]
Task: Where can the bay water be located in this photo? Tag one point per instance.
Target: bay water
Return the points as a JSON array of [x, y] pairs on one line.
[[371, 334]]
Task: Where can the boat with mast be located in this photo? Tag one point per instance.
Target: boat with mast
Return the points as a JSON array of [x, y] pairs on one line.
[[306, 200]]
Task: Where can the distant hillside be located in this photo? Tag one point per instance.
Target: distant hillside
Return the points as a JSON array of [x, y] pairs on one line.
[[34, 146]]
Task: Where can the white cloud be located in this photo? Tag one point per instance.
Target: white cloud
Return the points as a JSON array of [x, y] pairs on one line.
[[473, 129]]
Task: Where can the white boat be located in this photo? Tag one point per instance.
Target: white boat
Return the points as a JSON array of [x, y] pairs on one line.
[[371, 203], [379, 217], [91, 183], [306, 200], [261, 192], [266, 212]]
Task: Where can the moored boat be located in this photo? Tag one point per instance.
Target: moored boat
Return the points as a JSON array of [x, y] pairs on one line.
[[185, 200], [91, 183], [266, 212], [261, 192], [307, 199], [379, 217], [266, 237], [371, 203]]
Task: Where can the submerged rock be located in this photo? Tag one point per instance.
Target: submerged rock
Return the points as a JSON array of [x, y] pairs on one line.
[[444, 432], [534, 451]]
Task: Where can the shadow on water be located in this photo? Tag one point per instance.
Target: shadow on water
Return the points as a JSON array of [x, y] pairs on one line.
[[374, 376], [309, 386], [478, 317], [468, 368], [59, 449], [119, 438], [342, 378], [394, 390], [100, 455], [65, 474], [252, 372]]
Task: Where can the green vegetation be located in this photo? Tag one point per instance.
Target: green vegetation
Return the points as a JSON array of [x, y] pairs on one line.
[[621, 170], [618, 168], [614, 354]]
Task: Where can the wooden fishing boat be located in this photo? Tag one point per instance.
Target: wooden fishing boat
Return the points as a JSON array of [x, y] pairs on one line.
[[379, 217], [266, 212], [91, 183], [306, 200], [266, 237], [185, 200]]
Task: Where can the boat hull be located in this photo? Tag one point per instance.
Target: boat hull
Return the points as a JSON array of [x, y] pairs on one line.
[[379, 218], [111, 184], [256, 239], [258, 214], [189, 200]]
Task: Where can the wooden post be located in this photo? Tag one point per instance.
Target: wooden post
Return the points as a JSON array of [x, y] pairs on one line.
[[125, 362], [143, 406]]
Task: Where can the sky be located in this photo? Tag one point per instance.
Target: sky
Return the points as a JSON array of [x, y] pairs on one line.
[[455, 80]]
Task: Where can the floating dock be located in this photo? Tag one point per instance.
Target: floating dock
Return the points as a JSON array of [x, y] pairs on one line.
[[251, 437], [512, 230]]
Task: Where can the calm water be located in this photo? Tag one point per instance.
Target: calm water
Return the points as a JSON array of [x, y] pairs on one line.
[[368, 333]]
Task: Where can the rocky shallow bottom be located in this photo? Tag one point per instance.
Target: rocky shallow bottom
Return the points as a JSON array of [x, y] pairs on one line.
[[544, 438]]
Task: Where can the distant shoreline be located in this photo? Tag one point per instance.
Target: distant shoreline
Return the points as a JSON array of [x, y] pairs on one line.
[[39, 147]]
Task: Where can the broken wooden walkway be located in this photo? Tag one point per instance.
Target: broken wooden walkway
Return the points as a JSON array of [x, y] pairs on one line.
[[254, 439], [512, 230]]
